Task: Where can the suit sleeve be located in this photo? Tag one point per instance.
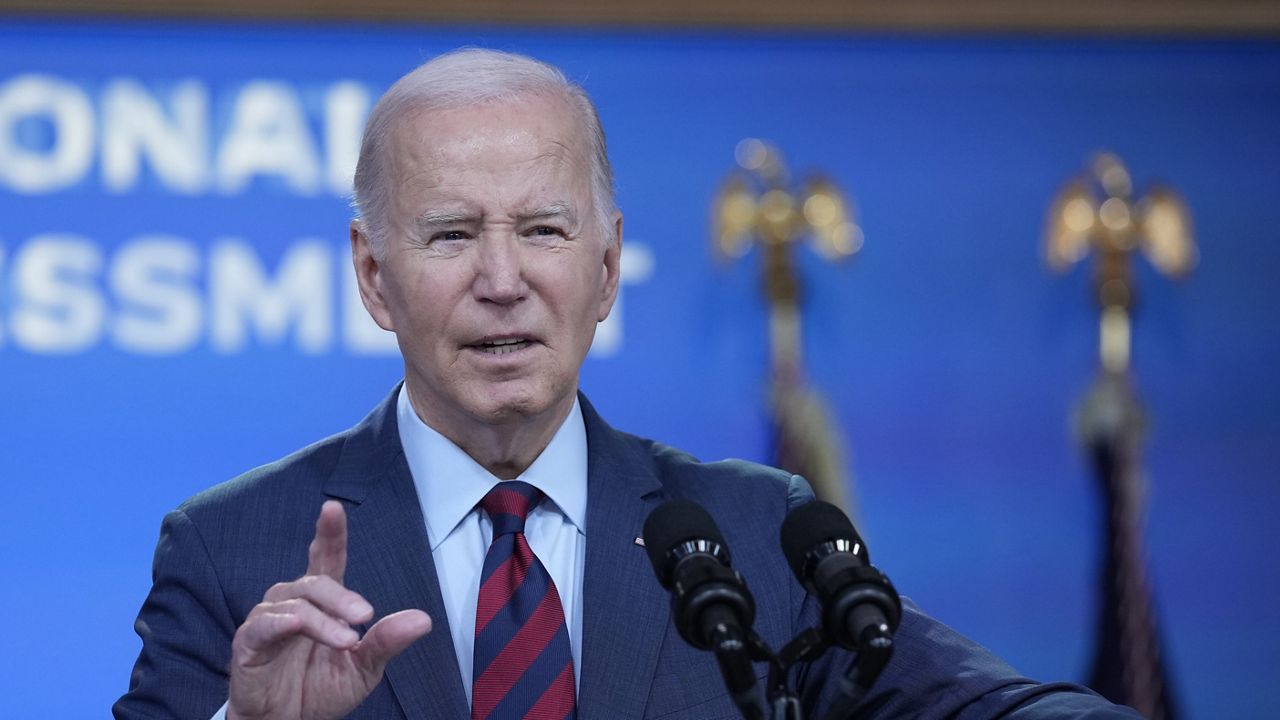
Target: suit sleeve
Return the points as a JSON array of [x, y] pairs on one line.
[[935, 672], [938, 673], [186, 630]]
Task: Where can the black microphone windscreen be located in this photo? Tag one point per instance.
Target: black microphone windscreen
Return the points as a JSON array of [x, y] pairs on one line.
[[812, 524], [674, 522]]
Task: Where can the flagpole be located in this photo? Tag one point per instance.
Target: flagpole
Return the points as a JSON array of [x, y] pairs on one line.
[[757, 206], [1097, 213]]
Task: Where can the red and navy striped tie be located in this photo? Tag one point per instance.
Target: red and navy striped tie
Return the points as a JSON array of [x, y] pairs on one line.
[[523, 667]]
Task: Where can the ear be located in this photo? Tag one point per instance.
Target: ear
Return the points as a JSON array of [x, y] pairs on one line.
[[369, 276], [612, 269]]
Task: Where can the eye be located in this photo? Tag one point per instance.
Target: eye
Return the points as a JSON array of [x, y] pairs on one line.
[[449, 236], [545, 235]]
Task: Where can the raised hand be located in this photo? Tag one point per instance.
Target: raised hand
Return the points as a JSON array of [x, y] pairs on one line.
[[296, 656]]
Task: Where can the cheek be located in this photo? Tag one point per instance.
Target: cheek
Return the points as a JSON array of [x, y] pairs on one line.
[[418, 306], [587, 295], [402, 299]]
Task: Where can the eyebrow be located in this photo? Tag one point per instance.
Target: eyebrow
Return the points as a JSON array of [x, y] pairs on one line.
[[554, 209], [434, 218], [444, 217]]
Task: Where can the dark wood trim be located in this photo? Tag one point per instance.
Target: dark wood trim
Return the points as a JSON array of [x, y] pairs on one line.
[[1256, 18]]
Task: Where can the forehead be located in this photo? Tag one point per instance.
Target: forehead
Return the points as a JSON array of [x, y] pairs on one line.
[[537, 134]]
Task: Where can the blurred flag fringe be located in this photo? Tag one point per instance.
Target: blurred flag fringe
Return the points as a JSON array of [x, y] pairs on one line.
[[807, 442]]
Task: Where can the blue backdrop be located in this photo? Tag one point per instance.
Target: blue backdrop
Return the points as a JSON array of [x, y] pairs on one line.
[[174, 308]]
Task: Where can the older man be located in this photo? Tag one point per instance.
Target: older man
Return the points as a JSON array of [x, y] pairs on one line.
[[485, 497]]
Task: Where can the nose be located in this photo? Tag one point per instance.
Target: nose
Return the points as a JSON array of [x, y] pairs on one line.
[[500, 270]]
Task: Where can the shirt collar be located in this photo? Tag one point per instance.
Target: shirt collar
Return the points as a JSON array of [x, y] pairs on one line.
[[450, 484]]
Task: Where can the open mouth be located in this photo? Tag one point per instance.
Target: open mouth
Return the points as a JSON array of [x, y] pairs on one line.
[[502, 347]]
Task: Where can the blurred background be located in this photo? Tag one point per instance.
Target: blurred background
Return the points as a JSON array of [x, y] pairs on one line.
[[175, 301]]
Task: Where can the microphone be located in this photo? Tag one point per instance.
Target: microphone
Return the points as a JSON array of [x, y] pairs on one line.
[[860, 608], [710, 603]]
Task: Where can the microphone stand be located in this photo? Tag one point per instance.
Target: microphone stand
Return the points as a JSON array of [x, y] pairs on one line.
[[874, 652], [875, 649], [735, 651], [805, 647]]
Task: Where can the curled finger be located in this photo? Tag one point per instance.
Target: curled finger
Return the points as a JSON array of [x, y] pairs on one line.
[[325, 593], [273, 623]]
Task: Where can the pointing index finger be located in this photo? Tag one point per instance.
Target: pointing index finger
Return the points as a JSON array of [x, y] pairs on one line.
[[328, 551]]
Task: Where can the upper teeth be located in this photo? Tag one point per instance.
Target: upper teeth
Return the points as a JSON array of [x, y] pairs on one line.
[[502, 347]]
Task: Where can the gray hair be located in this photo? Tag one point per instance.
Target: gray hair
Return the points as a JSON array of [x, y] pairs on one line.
[[472, 77]]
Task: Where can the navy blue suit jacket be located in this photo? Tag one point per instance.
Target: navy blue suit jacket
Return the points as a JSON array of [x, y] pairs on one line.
[[220, 551]]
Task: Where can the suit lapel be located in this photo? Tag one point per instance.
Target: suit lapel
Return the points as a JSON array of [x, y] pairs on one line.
[[389, 562], [625, 610]]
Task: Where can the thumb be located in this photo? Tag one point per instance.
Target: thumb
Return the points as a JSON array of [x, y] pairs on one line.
[[389, 637]]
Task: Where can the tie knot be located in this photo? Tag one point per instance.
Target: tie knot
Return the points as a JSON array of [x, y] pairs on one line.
[[508, 504]]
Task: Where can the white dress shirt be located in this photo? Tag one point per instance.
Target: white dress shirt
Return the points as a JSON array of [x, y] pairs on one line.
[[450, 486]]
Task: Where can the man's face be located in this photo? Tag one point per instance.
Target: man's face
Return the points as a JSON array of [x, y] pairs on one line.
[[494, 273]]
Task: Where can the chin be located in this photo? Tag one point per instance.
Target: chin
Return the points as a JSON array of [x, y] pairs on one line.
[[503, 406]]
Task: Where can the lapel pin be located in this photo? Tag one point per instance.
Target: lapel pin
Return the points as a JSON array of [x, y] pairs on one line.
[[640, 541]]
